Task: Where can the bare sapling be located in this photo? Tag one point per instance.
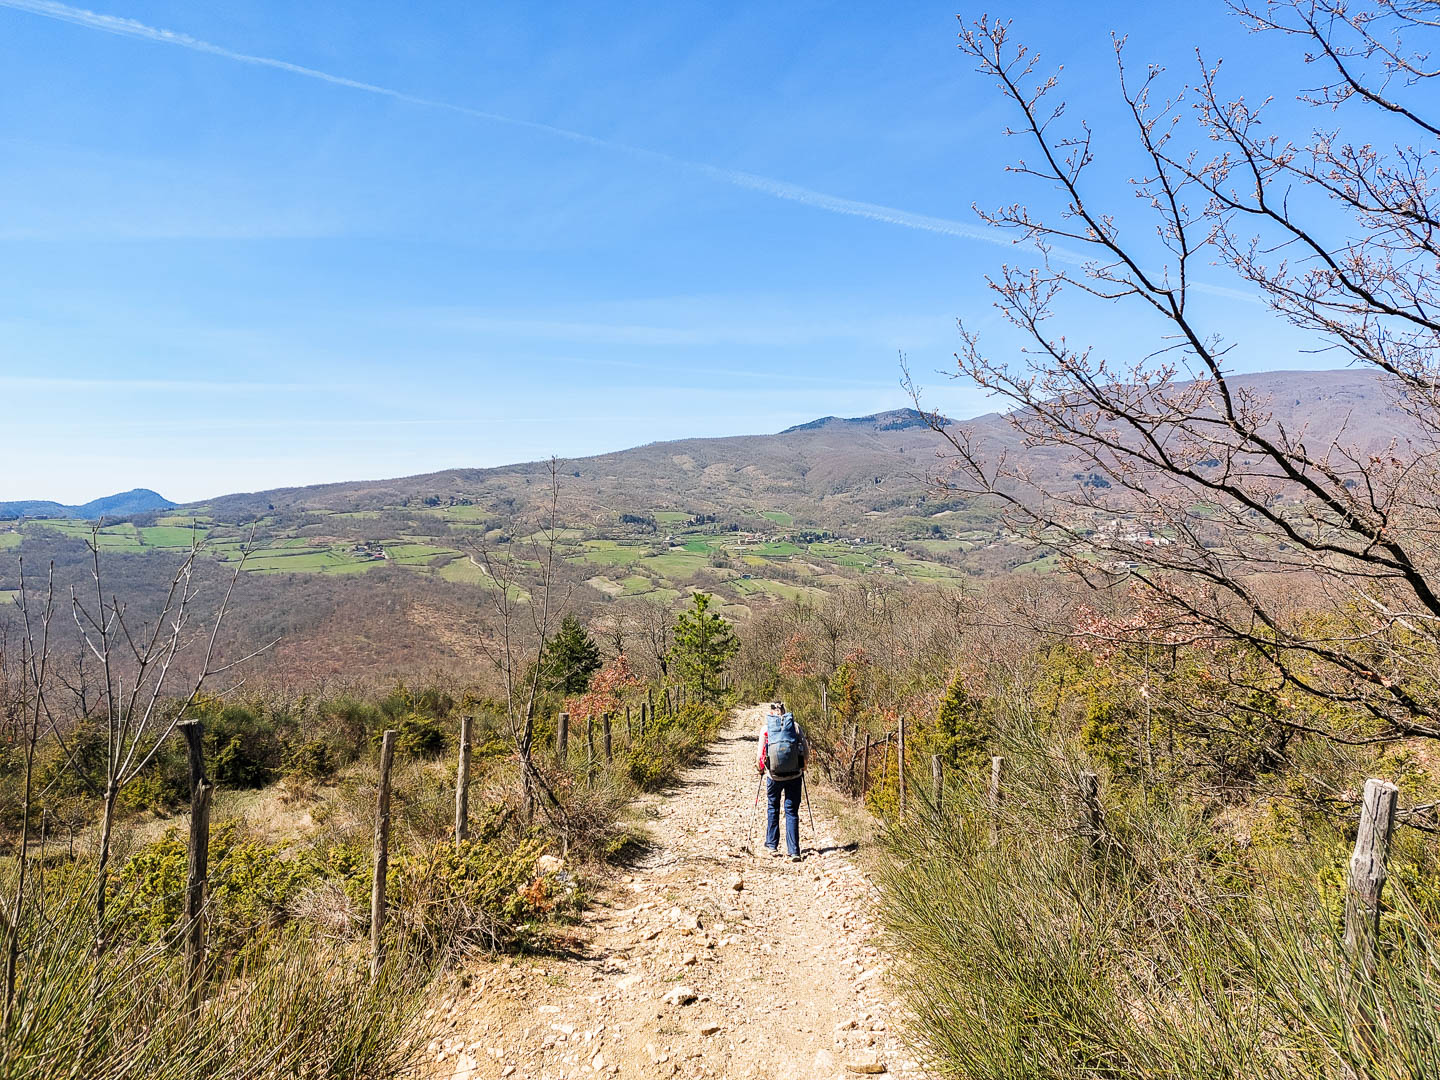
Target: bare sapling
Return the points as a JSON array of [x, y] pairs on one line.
[[522, 630], [138, 665]]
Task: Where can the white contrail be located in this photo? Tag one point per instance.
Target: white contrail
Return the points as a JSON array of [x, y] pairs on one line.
[[778, 189]]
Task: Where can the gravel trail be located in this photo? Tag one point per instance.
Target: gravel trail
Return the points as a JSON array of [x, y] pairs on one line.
[[703, 960]]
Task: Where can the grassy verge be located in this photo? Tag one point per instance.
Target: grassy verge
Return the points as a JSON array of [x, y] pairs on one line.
[[287, 990], [1171, 952]]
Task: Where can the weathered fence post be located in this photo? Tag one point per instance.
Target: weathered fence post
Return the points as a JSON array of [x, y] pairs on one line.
[[382, 856], [1089, 824], [994, 794], [937, 781], [462, 783], [199, 866], [865, 768], [590, 743], [644, 709], [824, 703], [650, 701], [900, 763], [1366, 878], [629, 731], [562, 738], [606, 733]]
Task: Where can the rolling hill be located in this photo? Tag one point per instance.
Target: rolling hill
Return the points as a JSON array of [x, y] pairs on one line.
[[832, 472], [384, 573], [125, 504]]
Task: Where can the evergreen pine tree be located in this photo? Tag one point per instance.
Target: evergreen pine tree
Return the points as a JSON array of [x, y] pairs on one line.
[[962, 728], [570, 658], [704, 643]]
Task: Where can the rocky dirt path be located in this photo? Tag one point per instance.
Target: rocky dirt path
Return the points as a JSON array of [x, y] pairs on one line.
[[703, 961]]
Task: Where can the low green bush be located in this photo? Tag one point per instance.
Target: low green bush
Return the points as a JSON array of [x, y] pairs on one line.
[[479, 893], [251, 885], [669, 744]]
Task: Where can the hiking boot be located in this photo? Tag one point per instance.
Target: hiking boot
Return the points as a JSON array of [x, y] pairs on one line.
[[794, 858], [774, 852]]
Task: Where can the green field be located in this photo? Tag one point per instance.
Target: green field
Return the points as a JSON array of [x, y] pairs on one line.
[[171, 536], [468, 514], [784, 590], [305, 561], [435, 543], [676, 565], [464, 571], [943, 547], [778, 548], [417, 554], [612, 553]]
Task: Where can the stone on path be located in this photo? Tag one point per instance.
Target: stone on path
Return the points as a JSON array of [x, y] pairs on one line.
[[681, 995]]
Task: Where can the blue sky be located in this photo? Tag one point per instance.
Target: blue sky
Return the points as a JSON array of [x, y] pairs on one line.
[[560, 228]]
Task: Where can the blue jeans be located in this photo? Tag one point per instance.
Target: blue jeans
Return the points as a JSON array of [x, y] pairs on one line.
[[790, 789]]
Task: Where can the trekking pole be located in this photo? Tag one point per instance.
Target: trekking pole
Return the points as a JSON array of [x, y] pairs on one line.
[[805, 790], [755, 836]]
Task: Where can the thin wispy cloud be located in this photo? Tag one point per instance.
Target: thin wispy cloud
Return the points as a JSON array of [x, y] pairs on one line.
[[765, 185], [178, 386], [741, 330]]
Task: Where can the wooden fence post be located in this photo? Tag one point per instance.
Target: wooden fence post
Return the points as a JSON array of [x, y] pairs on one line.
[[562, 738], [462, 783], [629, 731], [644, 709], [900, 763], [606, 733], [650, 701], [1366, 878], [382, 856], [1089, 824], [199, 865], [824, 703], [937, 780], [590, 742], [865, 768], [994, 794]]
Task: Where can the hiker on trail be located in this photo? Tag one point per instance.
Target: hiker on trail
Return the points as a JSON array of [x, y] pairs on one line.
[[783, 753]]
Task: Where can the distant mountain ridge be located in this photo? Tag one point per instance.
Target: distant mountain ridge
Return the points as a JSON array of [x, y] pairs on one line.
[[894, 420], [134, 501], [832, 471]]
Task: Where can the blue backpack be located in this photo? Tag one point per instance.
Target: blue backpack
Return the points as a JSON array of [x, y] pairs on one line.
[[783, 747]]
